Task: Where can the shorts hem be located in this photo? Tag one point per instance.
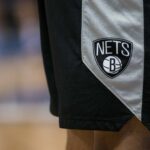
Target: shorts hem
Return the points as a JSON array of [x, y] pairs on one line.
[[104, 125]]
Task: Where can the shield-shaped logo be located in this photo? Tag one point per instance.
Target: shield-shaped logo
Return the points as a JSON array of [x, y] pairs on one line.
[[112, 55]]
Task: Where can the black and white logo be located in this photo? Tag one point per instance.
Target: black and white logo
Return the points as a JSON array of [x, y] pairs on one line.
[[112, 55]]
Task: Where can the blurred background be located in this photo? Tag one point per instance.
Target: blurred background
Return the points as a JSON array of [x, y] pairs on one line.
[[25, 121]]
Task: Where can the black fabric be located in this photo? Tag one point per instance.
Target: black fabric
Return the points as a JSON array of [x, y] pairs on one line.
[[47, 59], [98, 124], [146, 90], [83, 102]]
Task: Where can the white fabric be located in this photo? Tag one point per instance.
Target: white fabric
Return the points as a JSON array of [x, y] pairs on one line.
[[116, 19]]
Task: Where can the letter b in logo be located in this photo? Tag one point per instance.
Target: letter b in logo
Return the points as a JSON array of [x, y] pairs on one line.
[[112, 64]]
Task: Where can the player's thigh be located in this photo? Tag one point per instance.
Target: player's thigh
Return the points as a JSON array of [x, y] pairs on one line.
[[80, 140], [132, 136]]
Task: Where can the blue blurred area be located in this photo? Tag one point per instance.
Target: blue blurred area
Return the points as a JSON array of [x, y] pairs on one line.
[[19, 32], [22, 77], [9, 40]]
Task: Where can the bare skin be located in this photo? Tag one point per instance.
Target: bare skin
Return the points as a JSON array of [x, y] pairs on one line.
[[133, 136], [80, 140]]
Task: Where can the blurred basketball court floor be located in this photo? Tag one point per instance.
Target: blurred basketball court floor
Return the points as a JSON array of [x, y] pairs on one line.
[[32, 136]]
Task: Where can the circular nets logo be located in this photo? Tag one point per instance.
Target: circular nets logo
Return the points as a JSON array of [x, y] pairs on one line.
[[112, 64], [112, 55]]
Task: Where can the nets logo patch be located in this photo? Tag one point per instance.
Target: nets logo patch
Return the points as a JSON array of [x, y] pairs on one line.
[[112, 55]]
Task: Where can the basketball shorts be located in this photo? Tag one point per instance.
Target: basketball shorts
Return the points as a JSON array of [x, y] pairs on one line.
[[96, 55]]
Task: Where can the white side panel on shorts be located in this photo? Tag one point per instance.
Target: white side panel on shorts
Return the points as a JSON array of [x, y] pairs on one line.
[[122, 19]]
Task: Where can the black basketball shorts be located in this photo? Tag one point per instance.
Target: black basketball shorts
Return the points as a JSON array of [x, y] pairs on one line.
[[96, 55]]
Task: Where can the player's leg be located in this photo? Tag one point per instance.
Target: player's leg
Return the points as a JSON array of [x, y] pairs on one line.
[[132, 136], [104, 140], [100, 142], [80, 140]]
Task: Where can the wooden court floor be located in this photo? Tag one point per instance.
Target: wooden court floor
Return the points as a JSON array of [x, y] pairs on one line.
[[27, 136]]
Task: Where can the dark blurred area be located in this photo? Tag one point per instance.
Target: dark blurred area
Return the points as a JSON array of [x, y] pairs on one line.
[[10, 40], [18, 27]]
